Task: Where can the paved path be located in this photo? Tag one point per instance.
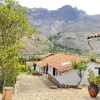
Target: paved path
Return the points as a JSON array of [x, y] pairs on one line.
[[38, 88]]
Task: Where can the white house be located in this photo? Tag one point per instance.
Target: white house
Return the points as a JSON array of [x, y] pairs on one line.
[[60, 70]]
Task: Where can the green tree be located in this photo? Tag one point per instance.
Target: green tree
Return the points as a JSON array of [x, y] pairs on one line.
[[80, 65], [14, 24], [54, 45], [9, 65]]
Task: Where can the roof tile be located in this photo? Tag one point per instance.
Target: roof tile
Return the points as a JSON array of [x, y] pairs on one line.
[[61, 62]]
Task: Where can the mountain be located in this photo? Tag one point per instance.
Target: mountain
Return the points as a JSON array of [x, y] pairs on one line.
[[70, 25]]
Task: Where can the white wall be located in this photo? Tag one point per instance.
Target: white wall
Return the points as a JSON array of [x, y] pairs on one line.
[[91, 66], [68, 78], [50, 69], [71, 77]]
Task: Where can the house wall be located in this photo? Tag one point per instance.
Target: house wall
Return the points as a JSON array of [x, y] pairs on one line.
[[71, 77], [91, 66], [39, 69], [67, 78], [50, 69]]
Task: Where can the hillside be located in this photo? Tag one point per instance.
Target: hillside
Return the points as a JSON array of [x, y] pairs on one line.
[[35, 45], [70, 25]]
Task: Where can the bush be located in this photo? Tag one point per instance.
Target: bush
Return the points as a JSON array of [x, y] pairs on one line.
[[97, 79], [22, 68], [34, 58], [93, 57], [22, 60], [92, 79]]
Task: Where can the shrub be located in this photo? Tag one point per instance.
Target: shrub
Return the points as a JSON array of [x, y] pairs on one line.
[[92, 79], [22, 60], [97, 80], [93, 57], [91, 76], [34, 58], [22, 68]]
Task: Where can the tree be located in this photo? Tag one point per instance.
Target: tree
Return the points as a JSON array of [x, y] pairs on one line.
[[9, 65], [54, 45], [80, 65], [14, 24]]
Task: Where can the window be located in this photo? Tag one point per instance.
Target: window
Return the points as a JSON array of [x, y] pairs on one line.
[[47, 68], [98, 70], [54, 71], [35, 67]]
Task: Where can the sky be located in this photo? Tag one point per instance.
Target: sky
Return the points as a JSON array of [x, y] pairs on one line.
[[91, 7]]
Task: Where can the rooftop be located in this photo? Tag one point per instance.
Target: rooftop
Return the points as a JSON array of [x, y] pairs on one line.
[[62, 62], [41, 63]]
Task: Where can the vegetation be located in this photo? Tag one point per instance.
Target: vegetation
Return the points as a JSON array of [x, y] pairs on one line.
[[80, 66], [22, 69], [92, 79], [97, 80], [8, 66], [93, 57], [56, 47], [34, 58], [23, 59], [13, 25]]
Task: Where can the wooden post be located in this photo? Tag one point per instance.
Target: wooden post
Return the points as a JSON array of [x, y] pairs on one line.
[[7, 93]]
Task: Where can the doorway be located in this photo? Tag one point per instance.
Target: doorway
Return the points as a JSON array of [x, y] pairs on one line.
[[54, 71]]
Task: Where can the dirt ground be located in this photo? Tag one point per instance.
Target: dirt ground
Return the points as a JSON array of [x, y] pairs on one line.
[[38, 88]]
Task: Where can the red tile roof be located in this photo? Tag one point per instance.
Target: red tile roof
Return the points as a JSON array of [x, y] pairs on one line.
[[94, 36], [62, 62], [50, 54], [41, 63]]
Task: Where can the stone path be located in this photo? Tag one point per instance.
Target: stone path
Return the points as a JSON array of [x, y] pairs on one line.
[[38, 88]]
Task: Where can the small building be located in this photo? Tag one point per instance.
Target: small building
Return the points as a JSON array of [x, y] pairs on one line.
[[41, 67], [59, 69]]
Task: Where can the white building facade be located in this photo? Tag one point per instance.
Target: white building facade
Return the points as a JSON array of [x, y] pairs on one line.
[[59, 68]]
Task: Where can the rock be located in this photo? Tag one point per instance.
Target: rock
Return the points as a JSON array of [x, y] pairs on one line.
[[53, 87]]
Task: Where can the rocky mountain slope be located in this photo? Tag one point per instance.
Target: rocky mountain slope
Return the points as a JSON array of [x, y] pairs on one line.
[[70, 25]]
